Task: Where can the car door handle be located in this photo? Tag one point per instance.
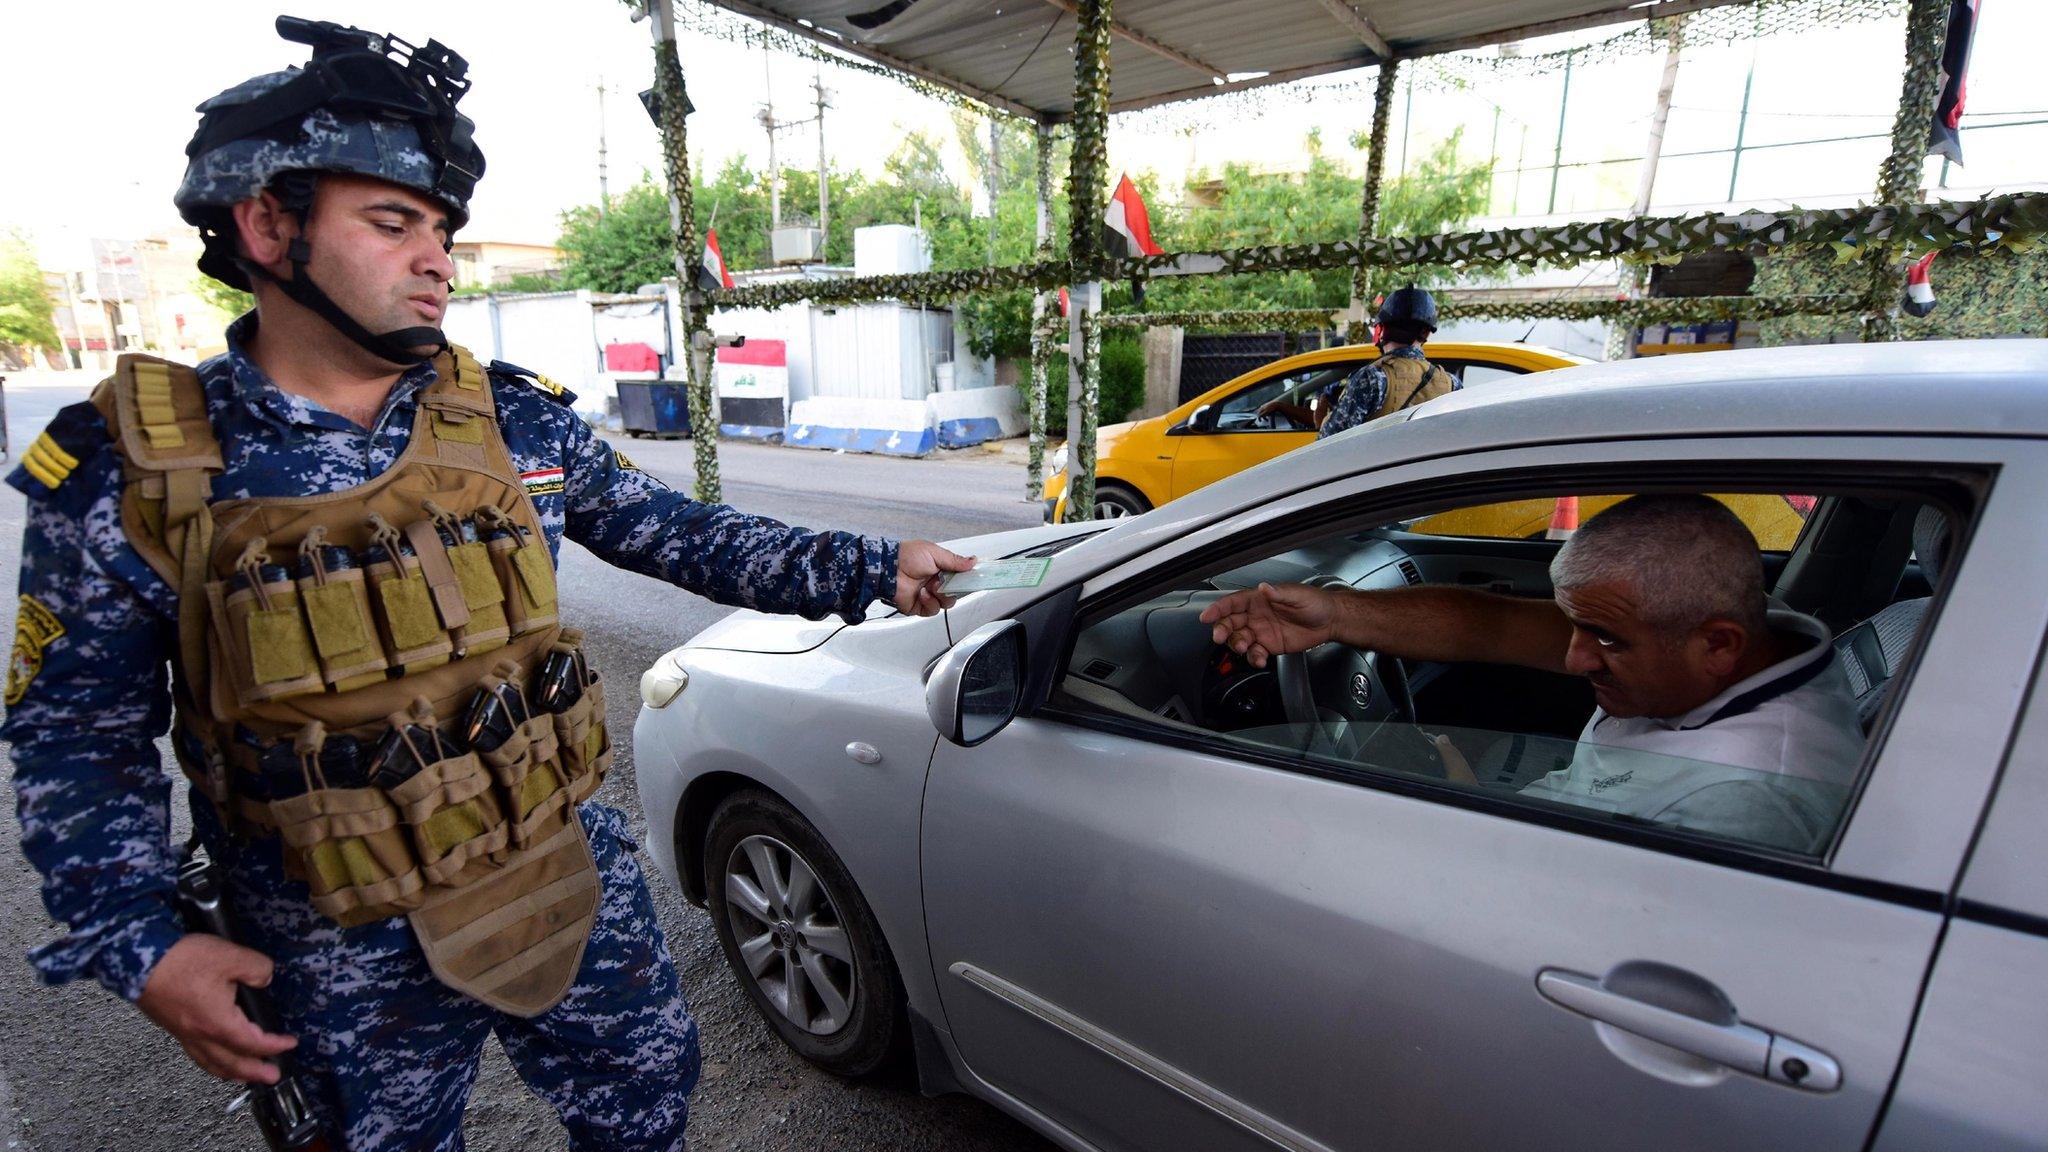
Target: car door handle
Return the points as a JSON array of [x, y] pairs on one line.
[[1740, 1046]]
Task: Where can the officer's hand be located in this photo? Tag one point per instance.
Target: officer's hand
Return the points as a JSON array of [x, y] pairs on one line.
[[1271, 620], [191, 995], [920, 564]]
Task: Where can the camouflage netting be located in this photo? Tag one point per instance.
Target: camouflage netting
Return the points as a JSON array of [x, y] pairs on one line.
[[2001, 293]]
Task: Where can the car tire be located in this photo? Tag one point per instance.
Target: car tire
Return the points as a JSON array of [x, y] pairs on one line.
[[856, 1028], [1116, 501]]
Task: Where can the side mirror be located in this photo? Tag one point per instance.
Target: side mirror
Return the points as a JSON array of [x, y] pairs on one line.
[[1202, 419], [974, 690]]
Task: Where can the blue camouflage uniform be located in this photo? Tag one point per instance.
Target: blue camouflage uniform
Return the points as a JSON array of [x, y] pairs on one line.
[[1364, 392], [388, 1051]]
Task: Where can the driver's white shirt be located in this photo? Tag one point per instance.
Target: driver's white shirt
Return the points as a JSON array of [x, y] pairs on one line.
[[1769, 760]]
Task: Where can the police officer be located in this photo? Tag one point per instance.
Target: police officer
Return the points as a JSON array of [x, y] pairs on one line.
[[333, 194], [1402, 376]]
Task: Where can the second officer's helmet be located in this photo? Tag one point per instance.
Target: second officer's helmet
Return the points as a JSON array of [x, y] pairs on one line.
[[1409, 309]]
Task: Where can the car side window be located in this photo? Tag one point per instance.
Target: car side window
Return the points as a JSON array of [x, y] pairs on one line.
[[1240, 413], [1470, 672], [1775, 520]]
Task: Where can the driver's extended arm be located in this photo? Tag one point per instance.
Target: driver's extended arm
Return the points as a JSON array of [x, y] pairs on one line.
[[1443, 624], [1453, 625]]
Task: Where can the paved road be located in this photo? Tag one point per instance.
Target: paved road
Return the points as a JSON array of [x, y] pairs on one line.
[[80, 1070]]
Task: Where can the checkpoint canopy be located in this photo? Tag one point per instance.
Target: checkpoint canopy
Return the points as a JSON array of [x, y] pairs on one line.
[[1163, 51]]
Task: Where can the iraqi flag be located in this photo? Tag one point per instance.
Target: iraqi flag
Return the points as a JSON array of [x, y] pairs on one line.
[[1946, 139], [1919, 299], [1129, 227], [715, 275]]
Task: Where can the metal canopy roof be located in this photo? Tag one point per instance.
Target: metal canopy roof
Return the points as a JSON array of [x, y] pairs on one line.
[[1017, 55]]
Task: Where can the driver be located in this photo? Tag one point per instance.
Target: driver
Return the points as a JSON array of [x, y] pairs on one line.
[[1659, 603]]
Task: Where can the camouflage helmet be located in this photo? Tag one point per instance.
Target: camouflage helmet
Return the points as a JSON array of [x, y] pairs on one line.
[[324, 140], [366, 104]]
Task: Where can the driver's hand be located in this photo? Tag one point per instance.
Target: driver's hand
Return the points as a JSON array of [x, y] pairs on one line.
[[1457, 769], [1269, 407], [1271, 620]]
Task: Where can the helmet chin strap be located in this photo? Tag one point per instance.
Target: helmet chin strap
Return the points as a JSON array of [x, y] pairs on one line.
[[397, 347]]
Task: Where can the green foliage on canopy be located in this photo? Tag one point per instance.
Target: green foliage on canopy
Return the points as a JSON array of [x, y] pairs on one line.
[[232, 303], [27, 317]]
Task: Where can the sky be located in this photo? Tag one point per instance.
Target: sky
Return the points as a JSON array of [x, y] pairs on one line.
[[101, 100]]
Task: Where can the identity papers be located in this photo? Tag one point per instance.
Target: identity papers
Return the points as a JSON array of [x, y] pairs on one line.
[[986, 574]]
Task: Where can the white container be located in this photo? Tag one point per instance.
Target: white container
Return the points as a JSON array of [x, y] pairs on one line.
[[890, 250], [796, 245], [942, 376]]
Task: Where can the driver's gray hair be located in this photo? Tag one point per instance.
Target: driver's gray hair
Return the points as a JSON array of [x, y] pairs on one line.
[[1687, 559]]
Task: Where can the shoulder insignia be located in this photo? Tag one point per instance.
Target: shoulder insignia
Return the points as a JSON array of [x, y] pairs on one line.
[[73, 435], [34, 628], [561, 394], [626, 462]]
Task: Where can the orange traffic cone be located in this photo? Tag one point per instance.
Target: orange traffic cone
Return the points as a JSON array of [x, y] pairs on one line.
[[1564, 519]]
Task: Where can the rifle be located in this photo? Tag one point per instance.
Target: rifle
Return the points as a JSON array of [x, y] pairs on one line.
[[281, 1110]]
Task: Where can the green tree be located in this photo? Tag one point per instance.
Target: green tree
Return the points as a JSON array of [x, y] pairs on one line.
[[622, 248], [27, 317]]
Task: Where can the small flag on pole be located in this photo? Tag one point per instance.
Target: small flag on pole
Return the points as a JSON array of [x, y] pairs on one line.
[[1919, 299], [714, 262], [1946, 138], [1130, 227]]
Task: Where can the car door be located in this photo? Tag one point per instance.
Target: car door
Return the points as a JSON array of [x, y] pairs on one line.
[[1974, 1074], [1238, 439], [1156, 940]]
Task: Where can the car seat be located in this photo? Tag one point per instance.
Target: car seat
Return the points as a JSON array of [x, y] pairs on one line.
[[1873, 652]]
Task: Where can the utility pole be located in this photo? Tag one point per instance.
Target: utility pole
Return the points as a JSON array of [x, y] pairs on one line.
[[768, 122], [604, 187], [824, 202], [995, 160]]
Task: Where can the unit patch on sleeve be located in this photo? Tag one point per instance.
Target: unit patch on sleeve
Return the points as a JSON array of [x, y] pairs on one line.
[[626, 462], [546, 482], [34, 628]]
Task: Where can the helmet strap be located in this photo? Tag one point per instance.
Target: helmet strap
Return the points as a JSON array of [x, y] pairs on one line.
[[396, 347]]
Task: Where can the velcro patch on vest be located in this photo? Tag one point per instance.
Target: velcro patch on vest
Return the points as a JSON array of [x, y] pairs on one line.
[[35, 627], [546, 482]]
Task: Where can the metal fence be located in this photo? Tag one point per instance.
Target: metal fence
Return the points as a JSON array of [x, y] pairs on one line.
[[1207, 360]]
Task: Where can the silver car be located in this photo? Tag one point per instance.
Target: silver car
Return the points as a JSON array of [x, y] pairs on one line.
[[1070, 856]]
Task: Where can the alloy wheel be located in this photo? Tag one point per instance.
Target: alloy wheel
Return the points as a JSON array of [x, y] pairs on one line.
[[790, 934]]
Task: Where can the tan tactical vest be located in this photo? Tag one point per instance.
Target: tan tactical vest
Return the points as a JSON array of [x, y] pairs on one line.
[[289, 650], [1409, 382]]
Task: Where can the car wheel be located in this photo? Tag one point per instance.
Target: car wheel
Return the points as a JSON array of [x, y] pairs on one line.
[[802, 941], [1114, 502]]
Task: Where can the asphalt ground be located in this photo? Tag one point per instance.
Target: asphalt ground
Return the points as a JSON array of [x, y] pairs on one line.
[[79, 1069]]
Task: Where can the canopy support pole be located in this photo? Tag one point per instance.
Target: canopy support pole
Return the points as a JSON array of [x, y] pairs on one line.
[[1359, 329], [1041, 337], [1085, 177], [675, 156], [1898, 180]]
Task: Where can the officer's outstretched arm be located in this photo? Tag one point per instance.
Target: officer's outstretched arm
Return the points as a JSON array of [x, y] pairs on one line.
[[639, 523]]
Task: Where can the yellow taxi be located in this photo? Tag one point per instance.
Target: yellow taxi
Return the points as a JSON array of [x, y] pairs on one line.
[[1145, 463]]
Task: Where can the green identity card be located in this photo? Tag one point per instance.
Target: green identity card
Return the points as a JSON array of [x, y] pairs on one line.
[[987, 574]]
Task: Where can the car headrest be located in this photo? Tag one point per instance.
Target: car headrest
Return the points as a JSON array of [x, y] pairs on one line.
[[1930, 543]]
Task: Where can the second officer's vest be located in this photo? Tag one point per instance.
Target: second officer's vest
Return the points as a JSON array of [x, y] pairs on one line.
[[323, 636], [1410, 382]]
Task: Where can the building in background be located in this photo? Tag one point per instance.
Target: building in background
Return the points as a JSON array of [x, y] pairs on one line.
[[504, 263]]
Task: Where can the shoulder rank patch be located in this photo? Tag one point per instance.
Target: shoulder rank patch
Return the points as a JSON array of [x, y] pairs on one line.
[[34, 628], [48, 462], [539, 381], [626, 462]]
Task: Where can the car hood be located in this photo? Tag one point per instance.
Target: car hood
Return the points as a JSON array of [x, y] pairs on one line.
[[749, 631]]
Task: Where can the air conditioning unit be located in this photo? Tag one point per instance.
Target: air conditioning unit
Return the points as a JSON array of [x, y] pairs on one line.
[[796, 245]]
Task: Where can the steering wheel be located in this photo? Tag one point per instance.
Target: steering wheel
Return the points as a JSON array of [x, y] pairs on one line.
[[1361, 692]]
